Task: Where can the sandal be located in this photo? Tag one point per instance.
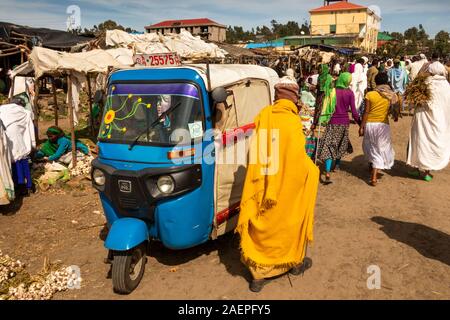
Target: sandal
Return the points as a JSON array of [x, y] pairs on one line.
[[428, 178], [328, 179], [336, 168], [301, 268], [257, 285], [414, 173]]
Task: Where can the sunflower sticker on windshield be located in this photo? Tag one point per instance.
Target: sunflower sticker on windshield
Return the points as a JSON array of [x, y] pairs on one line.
[[112, 118], [109, 116]]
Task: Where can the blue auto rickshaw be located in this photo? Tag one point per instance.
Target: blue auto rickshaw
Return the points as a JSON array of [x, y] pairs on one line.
[[157, 172]]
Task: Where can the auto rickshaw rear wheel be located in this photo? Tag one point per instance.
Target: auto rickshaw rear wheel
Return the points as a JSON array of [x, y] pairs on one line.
[[128, 269]]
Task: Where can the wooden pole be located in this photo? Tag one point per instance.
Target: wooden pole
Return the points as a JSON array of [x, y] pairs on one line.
[[72, 128], [90, 104], [55, 100], [11, 95], [208, 75], [37, 88]]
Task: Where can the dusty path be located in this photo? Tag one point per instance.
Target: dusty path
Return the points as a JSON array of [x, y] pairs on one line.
[[402, 226]]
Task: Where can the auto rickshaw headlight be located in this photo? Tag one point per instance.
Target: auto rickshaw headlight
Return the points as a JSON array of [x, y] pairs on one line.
[[99, 177], [166, 184]]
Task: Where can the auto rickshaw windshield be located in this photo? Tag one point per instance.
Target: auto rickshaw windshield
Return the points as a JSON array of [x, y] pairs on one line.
[[152, 113]]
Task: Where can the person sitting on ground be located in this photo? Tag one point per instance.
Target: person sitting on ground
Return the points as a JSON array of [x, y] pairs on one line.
[[58, 147]]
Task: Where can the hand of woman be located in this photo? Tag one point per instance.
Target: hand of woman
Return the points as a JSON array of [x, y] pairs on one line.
[[361, 131]]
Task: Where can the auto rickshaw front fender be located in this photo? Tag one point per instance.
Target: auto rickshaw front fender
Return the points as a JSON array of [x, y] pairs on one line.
[[126, 233]]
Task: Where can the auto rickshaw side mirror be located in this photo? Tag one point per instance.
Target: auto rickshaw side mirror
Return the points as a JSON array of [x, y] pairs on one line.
[[219, 95]]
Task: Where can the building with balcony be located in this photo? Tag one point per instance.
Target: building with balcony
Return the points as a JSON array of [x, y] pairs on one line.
[[205, 28]]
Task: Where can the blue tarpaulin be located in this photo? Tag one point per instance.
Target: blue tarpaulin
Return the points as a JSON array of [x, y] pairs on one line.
[[264, 45]]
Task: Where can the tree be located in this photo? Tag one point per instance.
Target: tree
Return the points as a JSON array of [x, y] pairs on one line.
[[397, 36], [267, 33], [416, 39], [422, 35], [289, 29], [305, 27], [231, 35], [274, 25], [441, 43], [237, 34], [391, 49], [107, 25], [412, 34]]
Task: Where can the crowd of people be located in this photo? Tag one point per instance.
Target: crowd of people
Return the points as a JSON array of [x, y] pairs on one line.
[[374, 93], [277, 210]]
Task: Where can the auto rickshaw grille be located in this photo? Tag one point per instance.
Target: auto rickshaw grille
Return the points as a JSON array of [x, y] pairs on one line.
[[129, 203]]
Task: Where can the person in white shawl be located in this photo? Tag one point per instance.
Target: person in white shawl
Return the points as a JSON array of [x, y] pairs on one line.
[[429, 142], [359, 83], [19, 129], [6, 181]]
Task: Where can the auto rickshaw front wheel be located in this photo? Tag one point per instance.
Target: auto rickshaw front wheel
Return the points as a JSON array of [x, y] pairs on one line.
[[128, 269]]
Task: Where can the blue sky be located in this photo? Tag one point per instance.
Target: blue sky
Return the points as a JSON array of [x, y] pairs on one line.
[[397, 14]]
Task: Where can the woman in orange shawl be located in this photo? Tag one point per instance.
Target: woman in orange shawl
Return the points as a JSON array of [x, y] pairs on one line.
[[277, 208]]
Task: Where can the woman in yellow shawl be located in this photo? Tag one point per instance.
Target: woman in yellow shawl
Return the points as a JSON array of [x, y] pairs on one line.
[[277, 208]]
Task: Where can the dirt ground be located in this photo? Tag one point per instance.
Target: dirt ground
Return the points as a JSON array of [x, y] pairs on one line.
[[402, 226]]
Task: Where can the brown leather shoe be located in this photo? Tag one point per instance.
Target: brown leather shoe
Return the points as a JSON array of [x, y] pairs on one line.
[[257, 285], [301, 268]]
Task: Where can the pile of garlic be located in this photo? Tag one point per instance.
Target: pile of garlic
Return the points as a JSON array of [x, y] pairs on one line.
[[83, 167], [9, 267], [39, 287], [42, 289]]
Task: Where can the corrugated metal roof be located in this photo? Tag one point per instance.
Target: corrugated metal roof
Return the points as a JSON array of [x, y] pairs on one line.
[[384, 37]]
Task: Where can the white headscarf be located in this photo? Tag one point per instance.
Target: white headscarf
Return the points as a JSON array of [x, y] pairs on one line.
[[290, 80], [437, 69], [290, 73]]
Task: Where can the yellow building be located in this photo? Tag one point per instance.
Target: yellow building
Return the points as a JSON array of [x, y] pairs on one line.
[[350, 24]]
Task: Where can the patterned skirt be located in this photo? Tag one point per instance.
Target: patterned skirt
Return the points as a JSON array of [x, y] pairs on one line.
[[335, 143]]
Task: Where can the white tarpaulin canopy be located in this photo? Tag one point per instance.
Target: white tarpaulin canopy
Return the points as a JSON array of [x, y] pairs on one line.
[[47, 61], [184, 43], [223, 75], [123, 47]]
